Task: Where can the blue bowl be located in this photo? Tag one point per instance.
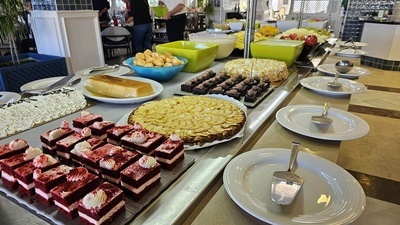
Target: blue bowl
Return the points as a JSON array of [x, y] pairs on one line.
[[161, 74]]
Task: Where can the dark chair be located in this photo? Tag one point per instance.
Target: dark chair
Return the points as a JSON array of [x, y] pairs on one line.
[[116, 38], [234, 15]]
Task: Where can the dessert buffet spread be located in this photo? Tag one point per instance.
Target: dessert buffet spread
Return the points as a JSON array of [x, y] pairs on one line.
[[92, 171]]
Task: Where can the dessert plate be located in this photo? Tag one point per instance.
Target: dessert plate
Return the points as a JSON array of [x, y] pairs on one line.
[[42, 83], [8, 97], [320, 84], [349, 44], [351, 53], [345, 126], [158, 88], [122, 70], [330, 195], [354, 73]]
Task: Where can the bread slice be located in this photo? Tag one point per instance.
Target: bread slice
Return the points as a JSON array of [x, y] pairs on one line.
[[118, 87]]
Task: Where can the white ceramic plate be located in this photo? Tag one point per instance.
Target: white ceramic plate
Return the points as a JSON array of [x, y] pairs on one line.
[[158, 88], [124, 120], [353, 73], [350, 53], [357, 44], [122, 70], [330, 195], [8, 97], [345, 126], [42, 83], [320, 84]]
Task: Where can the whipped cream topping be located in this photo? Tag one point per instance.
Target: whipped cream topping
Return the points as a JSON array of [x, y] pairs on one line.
[[97, 125], [76, 174], [86, 132], [17, 144], [107, 163], [81, 147], [94, 199], [115, 149], [86, 153], [56, 133], [174, 137], [31, 153], [137, 126], [85, 113], [43, 160], [64, 124], [147, 162], [139, 137], [39, 109], [36, 173]]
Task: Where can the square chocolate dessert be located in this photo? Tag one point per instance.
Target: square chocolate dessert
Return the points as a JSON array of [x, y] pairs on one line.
[[115, 134], [170, 152], [65, 145], [141, 176], [79, 148], [86, 119], [50, 138], [24, 173], [90, 159], [45, 181], [142, 141], [200, 89], [102, 205], [67, 194], [99, 129], [111, 166], [15, 147], [9, 164]]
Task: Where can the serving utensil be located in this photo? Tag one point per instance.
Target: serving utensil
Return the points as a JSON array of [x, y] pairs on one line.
[[323, 119], [51, 87], [286, 184], [103, 68], [335, 83], [343, 66]]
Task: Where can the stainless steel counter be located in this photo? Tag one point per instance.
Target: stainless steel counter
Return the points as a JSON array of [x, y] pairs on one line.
[[179, 200]]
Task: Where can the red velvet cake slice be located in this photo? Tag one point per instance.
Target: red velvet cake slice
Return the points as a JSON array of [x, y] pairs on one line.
[[99, 129], [45, 181], [114, 134], [24, 173], [91, 159], [79, 148], [67, 194], [86, 119], [170, 152], [65, 145], [9, 164], [141, 176], [142, 141], [50, 138], [15, 147], [111, 166], [102, 205]]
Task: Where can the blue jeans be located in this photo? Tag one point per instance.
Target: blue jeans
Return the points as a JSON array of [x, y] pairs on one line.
[[142, 36]]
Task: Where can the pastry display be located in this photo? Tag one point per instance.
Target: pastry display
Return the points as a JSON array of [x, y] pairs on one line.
[[170, 152], [195, 119], [50, 138], [101, 205], [141, 176], [118, 87]]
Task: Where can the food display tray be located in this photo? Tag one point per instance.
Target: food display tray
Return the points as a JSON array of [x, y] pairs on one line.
[[51, 215]]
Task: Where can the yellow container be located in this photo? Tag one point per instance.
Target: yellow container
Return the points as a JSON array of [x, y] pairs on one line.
[[283, 50], [200, 55]]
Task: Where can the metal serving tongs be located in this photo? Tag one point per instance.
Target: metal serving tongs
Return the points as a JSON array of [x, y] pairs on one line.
[[352, 46]]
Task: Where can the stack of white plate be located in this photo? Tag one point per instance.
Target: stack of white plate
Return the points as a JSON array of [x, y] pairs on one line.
[[396, 13]]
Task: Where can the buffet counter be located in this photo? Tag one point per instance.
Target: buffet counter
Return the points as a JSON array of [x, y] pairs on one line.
[[203, 178]]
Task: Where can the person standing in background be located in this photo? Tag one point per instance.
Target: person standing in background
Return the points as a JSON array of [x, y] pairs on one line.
[[128, 18], [176, 19], [142, 24], [102, 6]]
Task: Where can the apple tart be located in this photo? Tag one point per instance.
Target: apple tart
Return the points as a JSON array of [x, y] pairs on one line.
[[195, 119]]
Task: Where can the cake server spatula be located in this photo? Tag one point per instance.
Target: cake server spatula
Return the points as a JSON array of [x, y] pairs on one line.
[[286, 184]]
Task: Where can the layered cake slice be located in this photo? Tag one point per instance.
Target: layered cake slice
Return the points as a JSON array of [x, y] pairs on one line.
[[67, 194], [99, 129], [15, 147], [50, 138], [101, 205], [111, 166], [24, 173], [142, 141], [86, 119], [170, 152], [9, 164], [79, 148], [91, 159], [45, 181], [115, 134], [141, 176], [65, 145]]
